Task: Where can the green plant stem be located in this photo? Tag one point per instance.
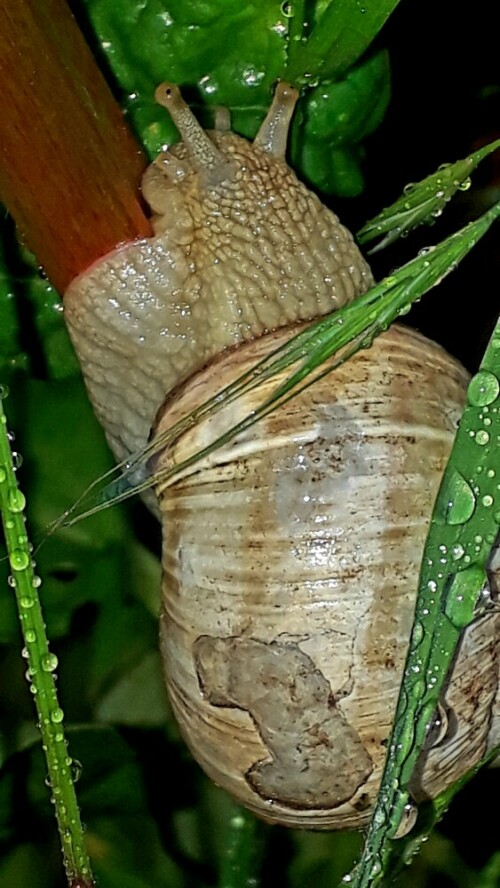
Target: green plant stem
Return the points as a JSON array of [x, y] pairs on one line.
[[240, 863], [40, 672]]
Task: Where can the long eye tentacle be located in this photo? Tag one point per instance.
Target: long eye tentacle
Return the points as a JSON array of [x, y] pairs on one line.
[[273, 133], [205, 156]]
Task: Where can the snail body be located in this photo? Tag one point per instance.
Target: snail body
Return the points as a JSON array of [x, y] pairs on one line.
[[290, 555]]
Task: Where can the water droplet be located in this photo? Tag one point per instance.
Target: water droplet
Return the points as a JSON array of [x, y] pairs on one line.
[[49, 663], [438, 728], [12, 581], [26, 602], [287, 9], [30, 636], [4, 391], [57, 716], [456, 500], [16, 500], [3, 476], [407, 822], [36, 582], [76, 770], [482, 437], [457, 552], [19, 560], [483, 389], [463, 595], [417, 634], [465, 185], [17, 459], [487, 500]]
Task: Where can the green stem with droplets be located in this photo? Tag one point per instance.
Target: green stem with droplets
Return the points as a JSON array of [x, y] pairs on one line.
[[242, 853], [41, 665]]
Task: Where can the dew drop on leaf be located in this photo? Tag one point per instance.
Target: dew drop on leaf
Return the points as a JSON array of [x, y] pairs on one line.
[[483, 389], [463, 595], [407, 822], [456, 502], [482, 437]]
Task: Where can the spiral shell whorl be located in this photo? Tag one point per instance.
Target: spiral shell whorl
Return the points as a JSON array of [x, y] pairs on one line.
[[291, 559]]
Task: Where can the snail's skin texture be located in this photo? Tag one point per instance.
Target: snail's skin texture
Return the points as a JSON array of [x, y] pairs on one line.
[[241, 247], [291, 560]]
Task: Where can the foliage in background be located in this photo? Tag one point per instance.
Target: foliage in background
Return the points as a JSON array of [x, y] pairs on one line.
[[152, 818]]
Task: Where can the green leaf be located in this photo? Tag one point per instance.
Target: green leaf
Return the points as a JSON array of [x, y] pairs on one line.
[[339, 38], [181, 42]]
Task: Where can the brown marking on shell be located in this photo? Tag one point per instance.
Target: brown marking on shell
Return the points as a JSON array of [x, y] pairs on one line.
[[315, 758]]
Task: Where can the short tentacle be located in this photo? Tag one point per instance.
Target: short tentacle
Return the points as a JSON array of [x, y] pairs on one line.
[[222, 120], [205, 156], [273, 133], [171, 166]]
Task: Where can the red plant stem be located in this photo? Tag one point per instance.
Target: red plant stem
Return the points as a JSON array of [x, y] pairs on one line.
[[69, 167]]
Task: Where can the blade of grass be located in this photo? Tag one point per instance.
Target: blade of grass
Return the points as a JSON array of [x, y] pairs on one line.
[[451, 596], [424, 201], [41, 664]]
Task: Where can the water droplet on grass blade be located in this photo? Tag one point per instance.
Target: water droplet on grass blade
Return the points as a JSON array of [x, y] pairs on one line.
[[464, 594], [456, 501], [482, 437], [16, 500], [483, 389], [19, 560], [49, 663], [407, 822]]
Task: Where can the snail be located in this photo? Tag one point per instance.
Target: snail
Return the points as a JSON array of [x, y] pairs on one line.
[[291, 554]]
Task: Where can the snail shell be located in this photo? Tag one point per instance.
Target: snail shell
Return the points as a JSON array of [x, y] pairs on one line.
[[291, 559], [290, 556]]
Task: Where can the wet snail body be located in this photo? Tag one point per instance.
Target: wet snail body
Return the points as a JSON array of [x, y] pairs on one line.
[[291, 555]]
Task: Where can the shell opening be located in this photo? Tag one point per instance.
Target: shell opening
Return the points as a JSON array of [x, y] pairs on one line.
[[206, 158], [272, 136]]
